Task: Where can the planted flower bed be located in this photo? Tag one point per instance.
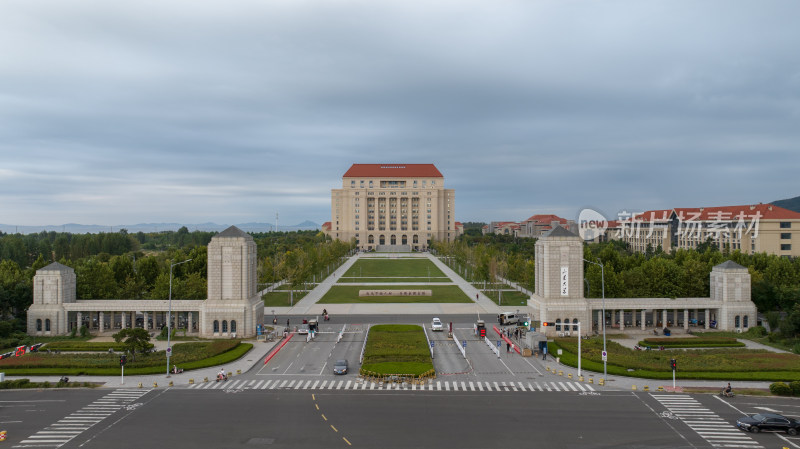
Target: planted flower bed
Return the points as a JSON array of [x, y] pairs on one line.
[[720, 364], [187, 356], [693, 342], [397, 350]]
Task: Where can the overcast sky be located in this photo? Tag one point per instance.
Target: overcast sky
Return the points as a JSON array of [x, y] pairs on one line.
[[230, 111]]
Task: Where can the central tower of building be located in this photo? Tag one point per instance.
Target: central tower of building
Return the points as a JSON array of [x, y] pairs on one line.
[[394, 206]]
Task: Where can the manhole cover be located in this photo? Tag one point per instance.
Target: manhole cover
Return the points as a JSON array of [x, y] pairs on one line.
[[260, 441]]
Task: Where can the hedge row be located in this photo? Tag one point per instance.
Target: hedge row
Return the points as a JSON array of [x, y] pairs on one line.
[[699, 342], [26, 383], [84, 346]]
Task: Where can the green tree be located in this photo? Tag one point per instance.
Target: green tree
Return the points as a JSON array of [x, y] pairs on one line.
[[136, 339]]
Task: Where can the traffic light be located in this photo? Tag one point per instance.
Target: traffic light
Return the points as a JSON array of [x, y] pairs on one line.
[[123, 359], [548, 323], [674, 364]]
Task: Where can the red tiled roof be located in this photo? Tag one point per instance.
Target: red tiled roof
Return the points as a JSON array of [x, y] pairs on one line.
[[654, 215], [548, 218], [729, 213], [326, 225], [393, 171]]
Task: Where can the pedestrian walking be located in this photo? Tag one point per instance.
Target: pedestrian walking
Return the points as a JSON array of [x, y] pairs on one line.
[[508, 347], [544, 353], [476, 296]]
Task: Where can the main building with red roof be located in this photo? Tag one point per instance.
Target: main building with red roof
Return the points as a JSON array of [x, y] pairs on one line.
[[394, 206]]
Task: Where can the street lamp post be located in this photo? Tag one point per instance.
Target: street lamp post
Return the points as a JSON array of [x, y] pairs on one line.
[[603, 281], [169, 313]]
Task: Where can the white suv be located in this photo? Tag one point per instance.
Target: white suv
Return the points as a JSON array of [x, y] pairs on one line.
[[436, 325]]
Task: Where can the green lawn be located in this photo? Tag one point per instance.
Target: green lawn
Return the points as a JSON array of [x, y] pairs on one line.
[[348, 294], [412, 268], [397, 349], [508, 298], [280, 298], [350, 280]]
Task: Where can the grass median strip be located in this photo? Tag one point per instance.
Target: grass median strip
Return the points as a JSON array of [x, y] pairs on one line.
[[397, 349], [413, 268]]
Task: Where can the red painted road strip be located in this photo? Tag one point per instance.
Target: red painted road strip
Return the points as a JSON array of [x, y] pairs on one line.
[[275, 351], [516, 346]]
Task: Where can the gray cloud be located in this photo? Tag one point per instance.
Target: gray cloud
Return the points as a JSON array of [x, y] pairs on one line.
[[230, 111]]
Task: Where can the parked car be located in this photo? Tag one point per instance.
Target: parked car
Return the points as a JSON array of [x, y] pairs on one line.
[[768, 421], [340, 367], [436, 325], [508, 318], [302, 329]]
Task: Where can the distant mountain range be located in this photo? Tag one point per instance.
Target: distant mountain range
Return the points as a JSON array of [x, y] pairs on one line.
[[790, 203], [75, 228]]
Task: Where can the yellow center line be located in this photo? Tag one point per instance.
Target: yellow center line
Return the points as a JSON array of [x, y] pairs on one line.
[[317, 406], [334, 429], [323, 417], [313, 398], [345, 440]]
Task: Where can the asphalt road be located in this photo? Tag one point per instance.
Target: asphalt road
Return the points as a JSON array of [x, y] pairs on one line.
[[182, 418]]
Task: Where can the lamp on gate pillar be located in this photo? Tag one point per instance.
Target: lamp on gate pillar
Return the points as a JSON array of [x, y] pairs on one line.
[[603, 280], [169, 313]]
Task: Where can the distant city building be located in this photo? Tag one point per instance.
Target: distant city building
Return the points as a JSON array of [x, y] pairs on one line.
[[392, 206], [759, 228], [534, 227]]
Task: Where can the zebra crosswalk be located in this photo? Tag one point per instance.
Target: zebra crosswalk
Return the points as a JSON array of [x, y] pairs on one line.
[[72, 425], [717, 431], [352, 384]]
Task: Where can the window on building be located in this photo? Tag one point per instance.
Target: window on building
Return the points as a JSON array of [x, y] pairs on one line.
[[39, 325], [352, 183], [362, 184], [786, 247], [216, 326], [558, 324], [786, 235], [786, 225], [224, 326], [736, 320], [233, 325], [47, 325], [746, 323], [370, 184]]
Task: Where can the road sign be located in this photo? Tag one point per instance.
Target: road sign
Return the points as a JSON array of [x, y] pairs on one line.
[[464, 344], [498, 343], [431, 343], [605, 356], [169, 350]]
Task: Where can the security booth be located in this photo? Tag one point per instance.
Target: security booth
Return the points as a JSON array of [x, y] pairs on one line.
[[480, 328], [313, 326]]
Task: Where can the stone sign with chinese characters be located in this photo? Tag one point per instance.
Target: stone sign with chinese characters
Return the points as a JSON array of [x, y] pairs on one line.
[[395, 293], [564, 281]]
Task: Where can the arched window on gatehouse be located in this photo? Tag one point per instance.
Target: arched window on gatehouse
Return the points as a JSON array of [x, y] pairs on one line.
[[575, 324], [558, 324], [216, 326], [745, 319], [39, 324], [47, 325], [233, 326], [224, 326], [736, 322]]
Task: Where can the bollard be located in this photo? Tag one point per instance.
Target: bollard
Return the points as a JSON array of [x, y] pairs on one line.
[[140, 385], [230, 374], [170, 384], [660, 388], [547, 368], [560, 372], [646, 388], [591, 380], [205, 379], [569, 375], [601, 381], [155, 385], [191, 381], [3, 435], [580, 378], [238, 371], [633, 387]]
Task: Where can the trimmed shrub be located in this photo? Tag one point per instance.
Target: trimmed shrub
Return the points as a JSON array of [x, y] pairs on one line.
[[84, 331], [795, 386], [757, 331], [780, 389]]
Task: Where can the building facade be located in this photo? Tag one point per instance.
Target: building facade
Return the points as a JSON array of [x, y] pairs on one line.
[[559, 297], [401, 206], [759, 228], [233, 309]]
